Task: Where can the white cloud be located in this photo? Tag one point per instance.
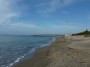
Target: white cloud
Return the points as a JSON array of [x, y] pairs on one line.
[[6, 12], [19, 26], [53, 5], [22, 25], [65, 27]]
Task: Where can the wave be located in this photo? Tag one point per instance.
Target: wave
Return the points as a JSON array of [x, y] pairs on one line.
[[21, 57]]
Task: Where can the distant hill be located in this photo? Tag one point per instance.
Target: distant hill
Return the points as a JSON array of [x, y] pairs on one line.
[[46, 35], [86, 32]]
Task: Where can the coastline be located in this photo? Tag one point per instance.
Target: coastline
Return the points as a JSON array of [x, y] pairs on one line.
[[60, 53], [31, 53]]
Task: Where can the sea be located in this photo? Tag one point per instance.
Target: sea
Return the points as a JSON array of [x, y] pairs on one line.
[[14, 48]]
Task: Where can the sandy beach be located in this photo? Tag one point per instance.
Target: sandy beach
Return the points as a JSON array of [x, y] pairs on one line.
[[69, 51]]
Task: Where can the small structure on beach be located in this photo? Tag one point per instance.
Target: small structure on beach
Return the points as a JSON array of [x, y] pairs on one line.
[[67, 35]]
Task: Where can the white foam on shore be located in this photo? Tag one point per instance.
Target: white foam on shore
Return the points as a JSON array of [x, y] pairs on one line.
[[53, 39], [18, 59], [21, 57]]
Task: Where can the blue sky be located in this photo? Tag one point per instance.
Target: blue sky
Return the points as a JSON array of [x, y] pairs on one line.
[[44, 16]]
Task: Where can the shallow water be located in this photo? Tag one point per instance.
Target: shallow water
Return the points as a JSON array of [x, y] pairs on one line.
[[14, 48]]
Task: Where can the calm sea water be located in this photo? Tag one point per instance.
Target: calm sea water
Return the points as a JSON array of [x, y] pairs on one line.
[[14, 48]]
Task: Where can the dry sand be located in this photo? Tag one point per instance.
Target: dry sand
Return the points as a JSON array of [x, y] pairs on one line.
[[70, 51]]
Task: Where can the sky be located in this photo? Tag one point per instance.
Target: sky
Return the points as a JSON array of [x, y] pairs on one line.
[[26, 17]]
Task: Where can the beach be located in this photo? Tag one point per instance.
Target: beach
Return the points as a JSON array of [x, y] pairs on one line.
[[67, 51]]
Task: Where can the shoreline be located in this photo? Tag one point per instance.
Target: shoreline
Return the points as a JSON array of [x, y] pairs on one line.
[[31, 53], [39, 51], [60, 53]]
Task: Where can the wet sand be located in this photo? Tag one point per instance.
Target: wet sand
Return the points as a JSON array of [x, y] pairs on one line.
[[69, 51]]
